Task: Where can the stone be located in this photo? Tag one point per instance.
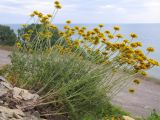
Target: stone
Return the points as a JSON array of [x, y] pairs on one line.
[[22, 94], [8, 114], [12, 101], [15, 115], [5, 87], [2, 79]]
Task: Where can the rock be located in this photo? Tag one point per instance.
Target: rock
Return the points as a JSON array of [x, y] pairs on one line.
[[23, 94], [128, 118], [8, 114], [5, 87], [16, 116], [2, 79], [1, 101], [13, 100]]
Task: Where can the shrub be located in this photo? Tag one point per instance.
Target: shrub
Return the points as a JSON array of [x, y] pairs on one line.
[[7, 36], [76, 76], [61, 82]]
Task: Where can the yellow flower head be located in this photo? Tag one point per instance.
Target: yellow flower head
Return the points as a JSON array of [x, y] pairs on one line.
[[110, 36], [139, 44], [101, 25], [40, 15], [18, 45], [138, 51], [116, 28], [143, 73], [58, 6], [153, 62], [49, 15], [96, 30], [131, 90], [84, 28], [126, 41], [119, 36], [136, 81], [76, 43], [76, 27], [150, 49], [32, 15], [96, 41], [56, 2], [36, 12], [133, 45], [107, 32], [68, 21], [53, 27], [133, 35]]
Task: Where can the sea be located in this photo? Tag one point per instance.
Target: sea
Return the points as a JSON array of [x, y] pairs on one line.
[[148, 34]]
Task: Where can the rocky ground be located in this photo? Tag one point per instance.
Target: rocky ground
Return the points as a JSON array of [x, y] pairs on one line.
[[13, 102], [141, 103]]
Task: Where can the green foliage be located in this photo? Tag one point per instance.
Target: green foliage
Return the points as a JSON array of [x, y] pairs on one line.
[[62, 83], [154, 116], [33, 31], [109, 112], [7, 36]]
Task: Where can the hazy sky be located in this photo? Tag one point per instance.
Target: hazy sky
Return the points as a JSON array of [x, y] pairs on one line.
[[84, 11]]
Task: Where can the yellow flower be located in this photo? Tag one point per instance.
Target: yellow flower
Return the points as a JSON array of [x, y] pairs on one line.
[[18, 45], [133, 35], [136, 81], [107, 32], [32, 15], [76, 43], [76, 27], [84, 28], [126, 41], [96, 41], [138, 51], [133, 45], [139, 44], [58, 6], [101, 25], [56, 2], [119, 36], [68, 21], [143, 73], [153, 62], [36, 12], [96, 30], [150, 49], [116, 28], [40, 15], [110, 36], [131, 90], [49, 15]]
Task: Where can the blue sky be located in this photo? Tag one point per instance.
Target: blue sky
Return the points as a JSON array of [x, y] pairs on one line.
[[84, 11]]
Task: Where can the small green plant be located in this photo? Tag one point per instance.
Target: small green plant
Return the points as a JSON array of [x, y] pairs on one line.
[[7, 36], [154, 116]]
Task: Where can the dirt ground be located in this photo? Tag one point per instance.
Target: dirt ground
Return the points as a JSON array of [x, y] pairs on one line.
[[141, 103], [4, 59]]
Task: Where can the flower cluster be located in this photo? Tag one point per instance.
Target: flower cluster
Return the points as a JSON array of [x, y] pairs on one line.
[[101, 45]]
